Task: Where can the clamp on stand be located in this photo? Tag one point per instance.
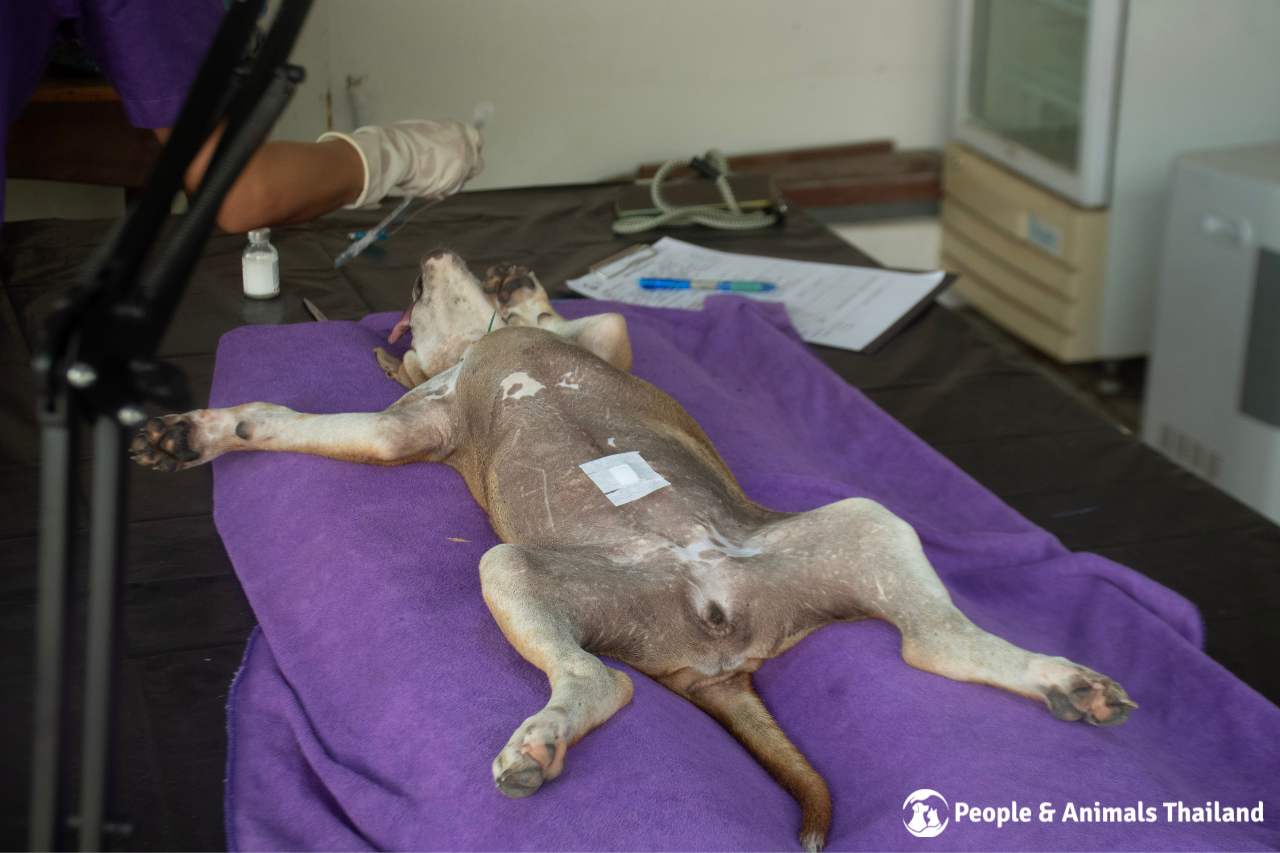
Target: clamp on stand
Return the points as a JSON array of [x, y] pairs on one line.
[[97, 363]]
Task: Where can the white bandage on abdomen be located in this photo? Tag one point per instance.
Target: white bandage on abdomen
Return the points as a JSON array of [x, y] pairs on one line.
[[623, 477]]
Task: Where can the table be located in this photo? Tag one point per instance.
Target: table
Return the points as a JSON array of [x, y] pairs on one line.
[[997, 416]]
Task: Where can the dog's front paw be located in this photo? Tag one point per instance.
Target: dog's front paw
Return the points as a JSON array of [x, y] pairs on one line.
[[1083, 694], [535, 754], [168, 443]]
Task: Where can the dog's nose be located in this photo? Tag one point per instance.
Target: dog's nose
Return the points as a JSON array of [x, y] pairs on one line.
[[439, 257]]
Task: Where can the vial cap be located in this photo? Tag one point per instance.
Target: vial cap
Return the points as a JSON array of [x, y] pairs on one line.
[[259, 235]]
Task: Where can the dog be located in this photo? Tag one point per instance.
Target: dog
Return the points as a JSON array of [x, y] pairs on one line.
[[654, 556]]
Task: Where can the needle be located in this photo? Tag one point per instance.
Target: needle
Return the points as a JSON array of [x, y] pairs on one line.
[[372, 234]]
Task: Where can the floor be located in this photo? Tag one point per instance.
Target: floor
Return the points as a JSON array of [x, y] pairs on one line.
[[1113, 389]]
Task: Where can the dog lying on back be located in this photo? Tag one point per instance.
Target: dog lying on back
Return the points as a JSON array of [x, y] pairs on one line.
[[624, 534]]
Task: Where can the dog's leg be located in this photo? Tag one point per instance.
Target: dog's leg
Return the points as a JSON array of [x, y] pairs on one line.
[[415, 428], [735, 704], [605, 335], [584, 692], [863, 560]]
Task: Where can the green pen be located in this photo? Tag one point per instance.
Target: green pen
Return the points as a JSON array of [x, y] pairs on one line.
[[707, 284]]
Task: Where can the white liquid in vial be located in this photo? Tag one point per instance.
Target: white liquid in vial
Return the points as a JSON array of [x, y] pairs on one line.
[[261, 276]]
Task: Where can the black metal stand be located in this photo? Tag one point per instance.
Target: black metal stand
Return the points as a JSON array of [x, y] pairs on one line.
[[97, 363]]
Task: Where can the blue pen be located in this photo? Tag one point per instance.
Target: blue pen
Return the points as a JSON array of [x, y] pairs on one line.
[[706, 284]]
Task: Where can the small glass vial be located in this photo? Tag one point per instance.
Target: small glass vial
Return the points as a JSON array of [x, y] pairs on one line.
[[261, 266]]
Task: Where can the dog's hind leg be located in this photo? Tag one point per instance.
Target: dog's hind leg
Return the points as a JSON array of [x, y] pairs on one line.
[[861, 559], [735, 704], [584, 692]]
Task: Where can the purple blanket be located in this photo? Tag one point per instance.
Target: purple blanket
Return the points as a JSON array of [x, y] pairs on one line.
[[377, 688]]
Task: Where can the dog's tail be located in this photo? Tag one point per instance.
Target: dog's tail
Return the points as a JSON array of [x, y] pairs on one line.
[[737, 706]]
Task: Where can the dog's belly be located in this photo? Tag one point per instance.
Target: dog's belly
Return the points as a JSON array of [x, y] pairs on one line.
[[538, 494], [667, 577], [534, 414], [688, 548]]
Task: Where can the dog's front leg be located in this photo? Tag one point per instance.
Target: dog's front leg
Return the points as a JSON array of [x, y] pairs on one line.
[[415, 428]]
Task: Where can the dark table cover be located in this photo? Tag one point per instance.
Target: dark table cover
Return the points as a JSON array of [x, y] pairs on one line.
[[1000, 418]]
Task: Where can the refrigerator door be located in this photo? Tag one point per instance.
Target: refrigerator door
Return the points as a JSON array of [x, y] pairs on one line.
[[1037, 89]]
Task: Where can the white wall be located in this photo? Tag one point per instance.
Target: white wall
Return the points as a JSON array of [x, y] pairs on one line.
[[586, 89], [308, 113]]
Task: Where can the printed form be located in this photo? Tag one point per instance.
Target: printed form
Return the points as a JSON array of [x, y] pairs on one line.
[[829, 304]]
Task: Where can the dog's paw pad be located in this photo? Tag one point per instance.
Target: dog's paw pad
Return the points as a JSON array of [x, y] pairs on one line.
[[1089, 696], [166, 443], [535, 754], [521, 778]]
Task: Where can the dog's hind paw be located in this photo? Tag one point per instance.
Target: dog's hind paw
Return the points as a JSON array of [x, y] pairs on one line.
[[1090, 696], [535, 754]]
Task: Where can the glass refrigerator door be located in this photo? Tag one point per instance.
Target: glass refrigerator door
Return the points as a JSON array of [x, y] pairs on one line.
[[1039, 86]]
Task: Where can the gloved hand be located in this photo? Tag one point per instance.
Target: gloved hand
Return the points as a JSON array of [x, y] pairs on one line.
[[421, 157]]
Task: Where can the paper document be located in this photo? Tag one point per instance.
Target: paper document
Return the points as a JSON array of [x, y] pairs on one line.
[[830, 304]]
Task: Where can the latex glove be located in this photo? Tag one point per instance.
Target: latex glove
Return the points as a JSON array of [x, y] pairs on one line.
[[422, 157]]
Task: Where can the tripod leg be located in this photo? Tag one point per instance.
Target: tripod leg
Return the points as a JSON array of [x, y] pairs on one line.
[[106, 550], [57, 526]]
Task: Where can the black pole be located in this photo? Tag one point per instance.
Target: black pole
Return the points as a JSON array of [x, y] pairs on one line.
[[59, 432], [96, 361], [102, 649]]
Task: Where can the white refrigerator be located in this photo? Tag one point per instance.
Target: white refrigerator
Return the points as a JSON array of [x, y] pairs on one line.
[[1083, 105], [1213, 385]]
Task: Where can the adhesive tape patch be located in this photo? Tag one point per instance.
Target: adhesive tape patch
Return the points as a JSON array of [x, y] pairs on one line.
[[623, 477]]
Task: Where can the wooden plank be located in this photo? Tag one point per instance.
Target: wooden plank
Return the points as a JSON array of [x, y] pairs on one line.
[[843, 175], [54, 90], [89, 142], [863, 189], [768, 161]]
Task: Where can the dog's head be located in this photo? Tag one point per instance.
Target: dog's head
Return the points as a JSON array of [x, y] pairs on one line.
[[448, 311]]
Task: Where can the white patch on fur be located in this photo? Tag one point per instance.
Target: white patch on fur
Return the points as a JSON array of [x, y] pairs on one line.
[[612, 442], [712, 547], [565, 383], [520, 384]]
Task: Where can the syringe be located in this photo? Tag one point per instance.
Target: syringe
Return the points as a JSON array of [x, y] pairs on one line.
[[372, 234]]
